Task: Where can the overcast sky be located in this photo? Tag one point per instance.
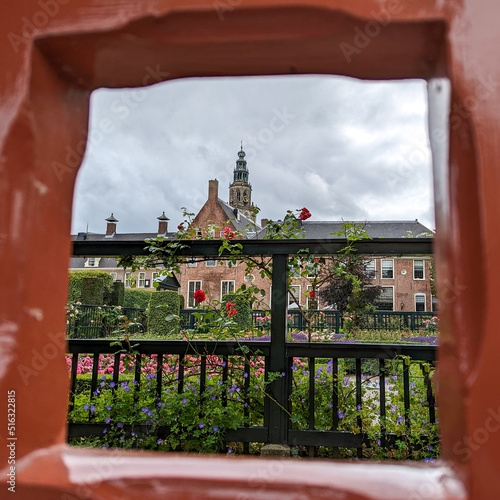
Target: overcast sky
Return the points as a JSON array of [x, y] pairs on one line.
[[343, 148]]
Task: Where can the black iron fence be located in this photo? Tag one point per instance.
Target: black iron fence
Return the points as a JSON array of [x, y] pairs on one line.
[[290, 409], [97, 321], [94, 322]]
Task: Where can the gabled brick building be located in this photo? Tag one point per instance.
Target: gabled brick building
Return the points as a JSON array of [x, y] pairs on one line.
[[405, 281]]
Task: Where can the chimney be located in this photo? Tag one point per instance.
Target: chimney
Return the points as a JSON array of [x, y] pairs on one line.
[[263, 222], [111, 227], [162, 224], [213, 190]]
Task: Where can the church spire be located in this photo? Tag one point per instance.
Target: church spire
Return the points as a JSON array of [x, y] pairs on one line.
[[240, 191]]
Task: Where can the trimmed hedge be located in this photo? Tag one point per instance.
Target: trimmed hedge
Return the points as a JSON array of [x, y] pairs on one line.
[[138, 299], [244, 316], [116, 296], [161, 305], [94, 291]]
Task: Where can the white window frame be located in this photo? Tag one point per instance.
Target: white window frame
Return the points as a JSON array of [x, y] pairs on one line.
[[128, 283], [230, 283], [191, 303], [393, 298], [423, 269], [114, 276], [309, 288], [154, 276], [374, 270], [415, 301], [192, 262], [94, 263], [141, 280], [211, 263], [434, 301], [382, 269], [233, 264], [290, 301]]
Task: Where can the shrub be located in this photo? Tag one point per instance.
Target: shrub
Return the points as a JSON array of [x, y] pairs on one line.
[[138, 299], [162, 305], [94, 290], [116, 296], [242, 305]]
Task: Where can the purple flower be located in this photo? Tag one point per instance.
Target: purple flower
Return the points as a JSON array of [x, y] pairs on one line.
[[282, 374], [103, 384], [150, 413], [133, 434], [201, 425], [213, 398], [230, 450], [108, 407], [378, 442], [341, 415], [108, 420], [86, 407], [216, 429], [92, 408], [144, 409], [184, 401], [431, 447], [223, 363], [159, 441], [119, 424], [358, 407], [127, 388], [245, 375], [330, 405], [400, 419], [104, 431], [112, 384]]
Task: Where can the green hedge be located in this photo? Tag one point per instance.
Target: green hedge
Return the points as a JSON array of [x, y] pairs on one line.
[[137, 298], [244, 312], [117, 295], [94, 291], [161, 305]]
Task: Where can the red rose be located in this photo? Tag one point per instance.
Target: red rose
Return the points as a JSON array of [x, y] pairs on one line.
[[304, 214], [199, 296], [228, 234], [180, 227]]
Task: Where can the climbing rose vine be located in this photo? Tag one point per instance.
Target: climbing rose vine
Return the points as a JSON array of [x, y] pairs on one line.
[[304, 214]]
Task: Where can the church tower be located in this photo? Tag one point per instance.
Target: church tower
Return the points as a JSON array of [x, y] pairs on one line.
[[240, 191]]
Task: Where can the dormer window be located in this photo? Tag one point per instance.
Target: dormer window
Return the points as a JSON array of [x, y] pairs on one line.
[[92, 262]]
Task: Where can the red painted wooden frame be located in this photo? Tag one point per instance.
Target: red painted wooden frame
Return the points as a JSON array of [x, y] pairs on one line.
[[55, 52]]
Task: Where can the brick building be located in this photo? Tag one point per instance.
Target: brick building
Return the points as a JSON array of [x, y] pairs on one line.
[[405, 281]]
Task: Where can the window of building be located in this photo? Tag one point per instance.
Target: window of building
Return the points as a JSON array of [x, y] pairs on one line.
[[192, 287], [154, 276], [141, 280], [231, 264], [295, 289], [128, 280], [385, 301], [191, 262], [312, 302], [211, 263], [114, 276], [226, 286], [388, 268], [418, 269], [370, 268], [434, 303], [92, 262], [420, 302]]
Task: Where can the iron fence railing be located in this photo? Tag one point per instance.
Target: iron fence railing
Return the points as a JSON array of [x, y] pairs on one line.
[[94, 322], [274, 421]]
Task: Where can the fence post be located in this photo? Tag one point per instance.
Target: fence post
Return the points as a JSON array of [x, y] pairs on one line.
[[278, 390]]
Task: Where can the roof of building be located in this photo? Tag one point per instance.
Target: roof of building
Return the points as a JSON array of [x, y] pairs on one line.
[[79, 263], [239, 220], [375, 229]]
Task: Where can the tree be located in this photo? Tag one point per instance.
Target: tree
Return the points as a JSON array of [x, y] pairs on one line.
[[349, 287]]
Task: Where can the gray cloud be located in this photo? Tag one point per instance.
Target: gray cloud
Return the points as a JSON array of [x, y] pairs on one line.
[[339, 146]]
